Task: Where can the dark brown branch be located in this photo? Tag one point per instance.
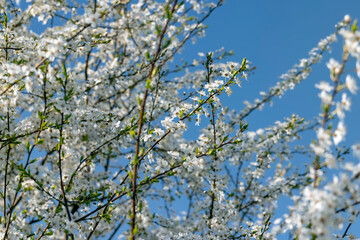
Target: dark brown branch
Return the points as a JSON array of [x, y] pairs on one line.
[[142, 110], [60, 168]]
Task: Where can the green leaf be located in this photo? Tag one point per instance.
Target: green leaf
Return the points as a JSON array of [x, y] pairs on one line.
[[135, 230], [243, 127], [56, 109], [171, 173], [18, 187], [68, 189], [147, 55], [211, 152], [22, 87], [43, 68], [28, 146], [132, 133], [58, 209], [5, 19], [40, 115], [237, 141], [59, 80], [154, 72], [139, 100], [197, 150], [40, 141], [155, 180], [85, 138], [168, 12], [57, 147], [167, 43], [225, 138], [142, 151], [243, 65], [148, 83], [43, 125], [354, 26], [64, 71], [158, 29]]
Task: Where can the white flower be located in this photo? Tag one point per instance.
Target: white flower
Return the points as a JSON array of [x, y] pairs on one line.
[[214, 85], [225, 73], [174, 154], [198, 119], [345, 102], [339, 111], [351, 41], [351, 84], [324, 86], [228, 91], [339, 134], [325, 97], [245, 75], [251, 135], [51, 52], [356, 150], [167, 123], [147, 137], [260, 131], [318, 150], [92, 19], [324, 138], [194, 163], [28, 84], [334, 66], [158, 131], [330, 160], [233, 65], [237, 81], [303, 62], [347, 19]]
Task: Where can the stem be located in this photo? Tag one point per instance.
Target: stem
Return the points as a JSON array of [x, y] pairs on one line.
[[115, 197], [16, 198], [44, 231], [213, 123], [7, 223], [60, 168], [328, 108], [137, 146]]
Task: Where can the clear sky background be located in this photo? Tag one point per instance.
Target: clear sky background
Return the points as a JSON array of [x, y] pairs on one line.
[[275, 35]]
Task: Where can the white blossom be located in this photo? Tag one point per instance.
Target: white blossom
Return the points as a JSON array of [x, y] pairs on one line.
[[351, 84], [356, 150], [334, 66], [339, 133], [105, 127]]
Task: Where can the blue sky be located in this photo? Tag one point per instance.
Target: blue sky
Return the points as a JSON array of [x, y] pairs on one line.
[[275, 35]]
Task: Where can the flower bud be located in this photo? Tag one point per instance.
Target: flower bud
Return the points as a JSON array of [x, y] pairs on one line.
[[347, 19], [337, 71]]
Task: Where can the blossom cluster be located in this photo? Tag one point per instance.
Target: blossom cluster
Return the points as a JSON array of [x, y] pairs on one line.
[[94, 130]]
